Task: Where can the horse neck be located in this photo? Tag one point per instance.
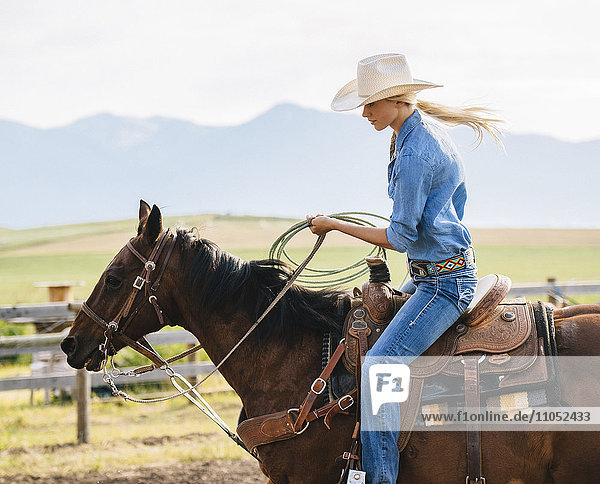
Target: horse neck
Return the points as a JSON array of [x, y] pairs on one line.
[[267, 377]]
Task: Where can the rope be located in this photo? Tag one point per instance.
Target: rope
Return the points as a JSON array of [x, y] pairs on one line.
[[321, 278]]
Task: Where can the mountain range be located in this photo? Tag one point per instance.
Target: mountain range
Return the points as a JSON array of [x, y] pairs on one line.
[[288, 161]]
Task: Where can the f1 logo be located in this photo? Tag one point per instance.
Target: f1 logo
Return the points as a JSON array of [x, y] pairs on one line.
[[389, 382]]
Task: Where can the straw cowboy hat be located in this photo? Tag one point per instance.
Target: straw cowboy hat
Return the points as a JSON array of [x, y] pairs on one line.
[[378, 77]]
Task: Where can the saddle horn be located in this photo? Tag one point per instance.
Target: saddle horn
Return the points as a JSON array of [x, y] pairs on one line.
[[378, 269]]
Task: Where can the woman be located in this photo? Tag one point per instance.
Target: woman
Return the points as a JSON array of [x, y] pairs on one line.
[[427, 186]]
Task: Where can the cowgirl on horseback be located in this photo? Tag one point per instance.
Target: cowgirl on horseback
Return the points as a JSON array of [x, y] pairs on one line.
[[427, 185]]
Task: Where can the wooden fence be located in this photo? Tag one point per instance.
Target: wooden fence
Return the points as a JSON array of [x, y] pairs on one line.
[[80, 382]]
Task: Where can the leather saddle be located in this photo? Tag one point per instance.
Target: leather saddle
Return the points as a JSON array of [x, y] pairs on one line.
[[488, 324], [508, 337]]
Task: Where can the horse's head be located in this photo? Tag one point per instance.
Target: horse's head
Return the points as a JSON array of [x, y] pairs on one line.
[[124, 303]]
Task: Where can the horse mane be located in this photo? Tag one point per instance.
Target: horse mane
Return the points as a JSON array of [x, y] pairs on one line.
[[221, 281]]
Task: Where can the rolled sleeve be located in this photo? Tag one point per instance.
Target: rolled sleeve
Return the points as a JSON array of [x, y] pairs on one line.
[[409, 189]]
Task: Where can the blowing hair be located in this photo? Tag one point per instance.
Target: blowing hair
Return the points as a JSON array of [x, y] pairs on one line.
[[479, 119]]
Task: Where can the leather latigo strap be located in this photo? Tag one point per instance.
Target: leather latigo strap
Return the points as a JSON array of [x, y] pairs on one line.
[[360, 331], [351, 457], [472, 403], [318, 386], [333, 408]]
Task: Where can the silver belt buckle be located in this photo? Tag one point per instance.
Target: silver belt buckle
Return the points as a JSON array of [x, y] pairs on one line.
[[470, 256]]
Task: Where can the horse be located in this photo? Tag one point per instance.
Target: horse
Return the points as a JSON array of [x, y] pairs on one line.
[[218, 296]]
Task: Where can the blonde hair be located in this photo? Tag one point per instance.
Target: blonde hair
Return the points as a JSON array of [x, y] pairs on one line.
[[479, 119]]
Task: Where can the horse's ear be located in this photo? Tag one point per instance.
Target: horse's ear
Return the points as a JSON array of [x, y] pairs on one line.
[[152, 228], [144, 210]]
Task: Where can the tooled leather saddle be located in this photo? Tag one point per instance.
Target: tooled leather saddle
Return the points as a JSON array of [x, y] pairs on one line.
[[488, 325], [496, 347]]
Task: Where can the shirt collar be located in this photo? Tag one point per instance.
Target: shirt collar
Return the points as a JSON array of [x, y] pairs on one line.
[[407, 127]]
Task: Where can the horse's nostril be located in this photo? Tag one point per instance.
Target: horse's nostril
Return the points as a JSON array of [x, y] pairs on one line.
[[68, 345]]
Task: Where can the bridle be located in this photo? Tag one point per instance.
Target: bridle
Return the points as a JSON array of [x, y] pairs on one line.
[[143, 281], [112, 330]]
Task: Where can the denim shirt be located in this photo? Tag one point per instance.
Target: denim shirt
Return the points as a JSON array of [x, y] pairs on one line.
[[427, 185]]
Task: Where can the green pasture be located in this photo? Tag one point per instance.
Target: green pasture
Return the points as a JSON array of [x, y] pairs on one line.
[[81, 252], [39, 440], [522, 264]]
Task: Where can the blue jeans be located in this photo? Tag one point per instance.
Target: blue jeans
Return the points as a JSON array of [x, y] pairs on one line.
[[436, 303]]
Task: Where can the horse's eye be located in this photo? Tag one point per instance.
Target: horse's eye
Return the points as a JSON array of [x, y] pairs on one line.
[[112, 281]]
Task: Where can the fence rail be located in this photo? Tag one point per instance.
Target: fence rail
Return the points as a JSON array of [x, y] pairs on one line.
[[18, 345], [552, 288], [67, 379]]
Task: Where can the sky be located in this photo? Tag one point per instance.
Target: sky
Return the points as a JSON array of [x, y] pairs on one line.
[[223, 62]]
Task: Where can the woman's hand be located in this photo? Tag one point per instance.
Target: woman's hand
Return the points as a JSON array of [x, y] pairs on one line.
[[320, 224]]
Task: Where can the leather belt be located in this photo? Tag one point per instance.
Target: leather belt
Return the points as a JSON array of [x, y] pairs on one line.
[[424, 268]]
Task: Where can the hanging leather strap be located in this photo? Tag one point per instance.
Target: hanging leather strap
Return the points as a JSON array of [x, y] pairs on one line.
[[352, 457], [360, 331], [333, 408], [472, 403], [318, 386]]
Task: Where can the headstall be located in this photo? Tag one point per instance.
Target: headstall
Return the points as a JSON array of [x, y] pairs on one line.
[[112, 330]]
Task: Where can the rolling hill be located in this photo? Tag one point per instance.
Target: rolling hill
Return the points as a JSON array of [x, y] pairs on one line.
[[287, 162]]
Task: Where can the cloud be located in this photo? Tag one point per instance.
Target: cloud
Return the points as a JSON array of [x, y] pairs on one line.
[[224, 62]]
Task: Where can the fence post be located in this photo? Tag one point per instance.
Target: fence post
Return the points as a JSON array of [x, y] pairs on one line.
[[552, 299], [83, 405]]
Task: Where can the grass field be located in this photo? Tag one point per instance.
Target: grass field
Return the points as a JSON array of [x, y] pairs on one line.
[[38, 440], [81, 252]]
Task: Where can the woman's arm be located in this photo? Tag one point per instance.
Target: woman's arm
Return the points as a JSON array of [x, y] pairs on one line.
[[374, 235]]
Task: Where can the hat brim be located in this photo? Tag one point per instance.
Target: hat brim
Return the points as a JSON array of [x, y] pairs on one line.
[[347, 97]]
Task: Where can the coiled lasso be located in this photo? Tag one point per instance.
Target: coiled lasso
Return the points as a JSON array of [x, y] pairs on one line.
[[321, 278]]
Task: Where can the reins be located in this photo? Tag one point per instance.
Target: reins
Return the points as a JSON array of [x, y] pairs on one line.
[[112, 330]]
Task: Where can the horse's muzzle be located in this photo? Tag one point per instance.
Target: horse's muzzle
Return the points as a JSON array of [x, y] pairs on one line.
[[78, 357], [68, 345]]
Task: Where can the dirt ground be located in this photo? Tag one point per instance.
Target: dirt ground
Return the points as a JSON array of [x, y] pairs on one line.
[[244, 471]]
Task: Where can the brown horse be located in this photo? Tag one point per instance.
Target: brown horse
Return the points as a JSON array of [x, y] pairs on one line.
[[218, 296]]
